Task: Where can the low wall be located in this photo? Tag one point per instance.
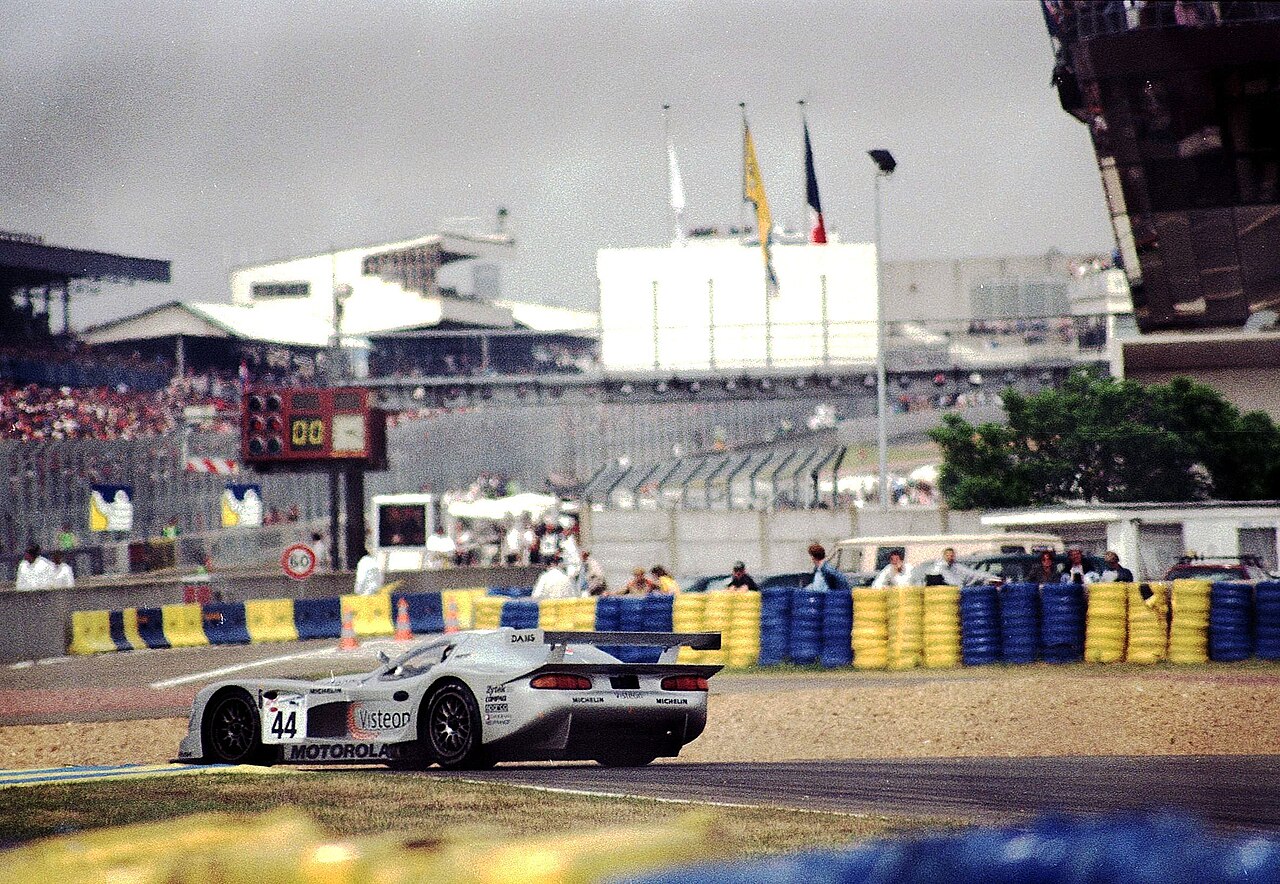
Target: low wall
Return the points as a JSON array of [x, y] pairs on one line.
[[34, 624]]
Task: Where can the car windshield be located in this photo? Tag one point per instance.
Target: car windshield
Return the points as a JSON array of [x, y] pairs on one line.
[[418, 660]]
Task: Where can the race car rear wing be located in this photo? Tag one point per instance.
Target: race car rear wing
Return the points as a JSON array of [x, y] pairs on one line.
[[705, 670], [670, 642], [699, 641]]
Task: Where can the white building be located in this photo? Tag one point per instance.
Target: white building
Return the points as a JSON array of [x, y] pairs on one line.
[[704, 305]]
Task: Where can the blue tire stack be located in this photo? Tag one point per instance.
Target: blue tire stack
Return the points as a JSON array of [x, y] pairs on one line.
[[519, 614], [609, 619], [1230, 638], [806, 625], [979, 625], [1267, 610], [1062, 622], [775, 625], [654, 616], [1019, 623], [510, 592], [837, 629]]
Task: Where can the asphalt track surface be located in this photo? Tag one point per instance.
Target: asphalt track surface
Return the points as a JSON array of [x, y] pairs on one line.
[[1239, 793], [1231, 793]]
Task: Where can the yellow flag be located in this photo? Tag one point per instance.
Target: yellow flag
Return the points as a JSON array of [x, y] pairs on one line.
[[753, 192]]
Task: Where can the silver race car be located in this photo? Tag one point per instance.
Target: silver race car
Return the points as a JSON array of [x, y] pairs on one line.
[[468, 700]]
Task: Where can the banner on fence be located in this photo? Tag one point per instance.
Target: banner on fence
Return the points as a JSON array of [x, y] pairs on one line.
[[110, 507]]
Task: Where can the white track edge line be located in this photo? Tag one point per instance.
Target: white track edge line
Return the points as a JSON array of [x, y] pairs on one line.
[[561, 790], [228, 670]]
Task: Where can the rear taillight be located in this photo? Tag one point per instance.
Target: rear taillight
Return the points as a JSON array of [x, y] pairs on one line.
[[553, 682], [684, 683]]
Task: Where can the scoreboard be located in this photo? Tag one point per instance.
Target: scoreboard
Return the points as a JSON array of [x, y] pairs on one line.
[[298, 429]]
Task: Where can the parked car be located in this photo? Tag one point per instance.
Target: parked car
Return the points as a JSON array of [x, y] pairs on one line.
[[1218, 569], [1014, 567], [705, 583]]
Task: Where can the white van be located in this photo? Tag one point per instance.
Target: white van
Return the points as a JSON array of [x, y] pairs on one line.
[[870, 554]]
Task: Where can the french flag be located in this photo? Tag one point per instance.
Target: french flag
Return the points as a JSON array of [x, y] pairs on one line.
[[817, 228]]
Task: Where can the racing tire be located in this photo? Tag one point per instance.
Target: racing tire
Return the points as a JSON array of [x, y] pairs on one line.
[[449, 729], [231, 730], [625, 759]]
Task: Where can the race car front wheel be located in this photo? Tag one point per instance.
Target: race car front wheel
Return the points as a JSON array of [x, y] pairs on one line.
[[231, 734], [452, 729]]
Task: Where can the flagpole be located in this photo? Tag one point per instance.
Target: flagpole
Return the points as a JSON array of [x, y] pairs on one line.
[[804, 221], [678, 213]]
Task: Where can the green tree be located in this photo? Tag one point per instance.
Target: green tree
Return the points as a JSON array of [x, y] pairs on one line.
[[1102, 440]]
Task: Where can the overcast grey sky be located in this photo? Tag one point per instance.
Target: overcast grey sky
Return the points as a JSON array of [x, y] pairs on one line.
[[224, 134]]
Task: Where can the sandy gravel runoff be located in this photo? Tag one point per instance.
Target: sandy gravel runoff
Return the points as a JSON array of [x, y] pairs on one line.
[[1029, 712]]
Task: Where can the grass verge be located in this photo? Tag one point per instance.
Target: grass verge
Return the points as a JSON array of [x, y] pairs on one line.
[[348, 804]]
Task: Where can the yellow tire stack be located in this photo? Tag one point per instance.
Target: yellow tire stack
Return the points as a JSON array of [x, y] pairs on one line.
[[870, 628], [487, 611], [1148, 623], [183, 626], [1105, 622], [744, 629], [717, 617], [906, 627], [687, 611], [1189, 631], [942, 627], [552, 614], [582, 615]]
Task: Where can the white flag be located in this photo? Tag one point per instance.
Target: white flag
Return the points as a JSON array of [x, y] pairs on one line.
[[677, 191]]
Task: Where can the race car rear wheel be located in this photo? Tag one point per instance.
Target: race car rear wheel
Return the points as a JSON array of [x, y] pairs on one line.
[[231, 730], [450, 729], [625, 759]]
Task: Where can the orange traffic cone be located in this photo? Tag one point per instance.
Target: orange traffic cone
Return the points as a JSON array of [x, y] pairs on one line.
[[404, 629], [348, 642], [451, 617]]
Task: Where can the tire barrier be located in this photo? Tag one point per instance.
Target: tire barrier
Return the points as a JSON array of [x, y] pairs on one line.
[[462, 602], [519, 614], [870, 637], [1267, 609], [318, 618], [1230, 638], [980, 625], [270, 620], [1062, 622], [806, 625], [906, 627], [1189, 628], [183, 626], [687, 611], [942, 627], [510, 592], [717, 616], [284, 845], [1051, 850], [91, 633], [631, 619], [744, 630], [837, 630], [1148, 623], [224, 623], [151, 627], [609, 619], [1019, 623], [426, 611], [775, 625], [658, 613], [1105, 625], [371, 614], [486, 612]]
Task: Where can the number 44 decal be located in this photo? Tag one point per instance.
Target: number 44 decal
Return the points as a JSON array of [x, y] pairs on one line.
[[284, 719]]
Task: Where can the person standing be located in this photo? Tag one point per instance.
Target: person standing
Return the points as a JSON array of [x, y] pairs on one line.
[[34, 571], [1044, 571], [893, 574], [368, 575], [1076, 572], [63, 576], [825, 577], [590, 580], [1113, 571], [321, 550], [740, 580], [553, 583], [665, 582], [948, 572], [440, 549]]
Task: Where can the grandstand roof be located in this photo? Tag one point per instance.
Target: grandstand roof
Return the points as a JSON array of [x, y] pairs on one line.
[[26, 261], [269, 323]]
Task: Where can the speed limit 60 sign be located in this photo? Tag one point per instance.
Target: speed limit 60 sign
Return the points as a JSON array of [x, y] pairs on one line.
[[298, 561]]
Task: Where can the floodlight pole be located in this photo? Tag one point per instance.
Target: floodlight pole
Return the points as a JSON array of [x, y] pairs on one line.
[[884, 168]]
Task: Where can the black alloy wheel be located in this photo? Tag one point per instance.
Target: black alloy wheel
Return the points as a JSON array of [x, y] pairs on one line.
[[231, 733], [452, 726]]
